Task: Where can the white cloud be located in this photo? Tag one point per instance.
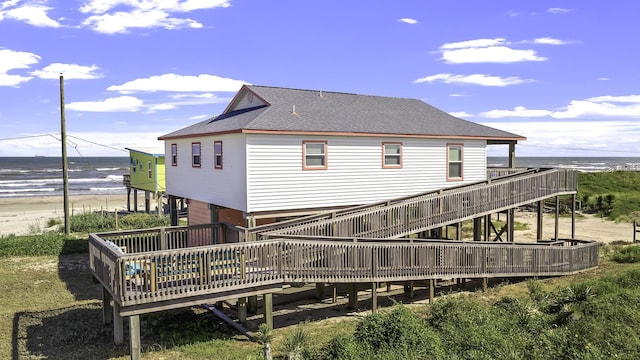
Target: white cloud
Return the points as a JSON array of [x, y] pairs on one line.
[[603, 78], [408, 21], [486, 51], [473, 79], [573, 137], [179, 83], [473, 43], [104, 17], [129, 103], [492, 54], [555, 10], [600, 106], [518, 111], [10, 60], [460, 114], [102, 6], [591, 108], [200, 117], [92, 143], [549, 41], [70, 71], [33, 13], [624, 99], [457, 95], [116, 104], [121, 22]]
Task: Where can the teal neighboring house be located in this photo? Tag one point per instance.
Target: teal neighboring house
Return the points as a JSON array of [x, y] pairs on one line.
[[146, 173]]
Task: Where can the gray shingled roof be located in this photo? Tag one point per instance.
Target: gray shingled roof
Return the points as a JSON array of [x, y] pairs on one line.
[[324, 111]]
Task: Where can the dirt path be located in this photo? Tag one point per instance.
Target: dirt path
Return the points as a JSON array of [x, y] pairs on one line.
[[588, 227]]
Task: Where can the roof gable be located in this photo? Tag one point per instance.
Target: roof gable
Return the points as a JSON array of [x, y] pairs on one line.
[[310, 111]]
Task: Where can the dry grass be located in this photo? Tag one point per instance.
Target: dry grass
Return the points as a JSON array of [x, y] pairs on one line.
[[50, 308]]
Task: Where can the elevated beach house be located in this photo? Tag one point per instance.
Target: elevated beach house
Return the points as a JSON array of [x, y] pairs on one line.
[[146, 173], [276, 153]]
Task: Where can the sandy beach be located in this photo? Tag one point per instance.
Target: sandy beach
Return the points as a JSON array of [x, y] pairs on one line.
[[22, 215]]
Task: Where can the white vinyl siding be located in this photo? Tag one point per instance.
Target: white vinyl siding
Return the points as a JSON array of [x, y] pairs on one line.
[[224, 187], [276, 181]]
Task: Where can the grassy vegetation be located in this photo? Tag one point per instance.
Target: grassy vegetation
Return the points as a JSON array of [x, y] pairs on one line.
[[614, 195], [100, 222], [39, 243], [49, 243], [50, 308]]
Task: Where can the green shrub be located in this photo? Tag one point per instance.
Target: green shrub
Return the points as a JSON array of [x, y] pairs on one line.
[[93, 222], [628, 254], [53, 222], [296, 344], [49, 243], [341, 347], [143, 221], [399, 330]]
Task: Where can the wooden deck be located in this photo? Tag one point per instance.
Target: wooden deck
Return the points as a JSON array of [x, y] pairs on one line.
[[159, 269], [150, 270]]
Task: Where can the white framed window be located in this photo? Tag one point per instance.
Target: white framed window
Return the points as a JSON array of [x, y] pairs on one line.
[[217, 154], [455, 162], [391, 155], [314, 155], [196, 160], [174, 154]]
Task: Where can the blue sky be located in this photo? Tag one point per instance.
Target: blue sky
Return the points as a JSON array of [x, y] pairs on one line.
[[562, 73]]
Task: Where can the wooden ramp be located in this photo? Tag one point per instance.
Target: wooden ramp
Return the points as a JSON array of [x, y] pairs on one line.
[[151, 270]]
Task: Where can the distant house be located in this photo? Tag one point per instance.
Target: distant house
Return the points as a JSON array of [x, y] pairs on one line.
[[147, 173], [278, 152]]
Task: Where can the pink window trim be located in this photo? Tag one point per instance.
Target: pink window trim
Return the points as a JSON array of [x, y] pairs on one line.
[[215, 155], [193, 164], [384, 166], [174, 161], [304, 155], [461, 178]]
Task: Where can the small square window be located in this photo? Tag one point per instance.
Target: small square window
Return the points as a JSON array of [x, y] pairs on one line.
[[196, 160], [314, 155], [392, 155]]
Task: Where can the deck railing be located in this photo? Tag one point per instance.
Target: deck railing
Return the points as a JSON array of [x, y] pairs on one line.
[[494, 174], [149, 269], [435, 209], [161, 276]]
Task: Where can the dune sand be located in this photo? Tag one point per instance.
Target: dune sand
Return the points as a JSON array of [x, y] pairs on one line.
[[24, 215]]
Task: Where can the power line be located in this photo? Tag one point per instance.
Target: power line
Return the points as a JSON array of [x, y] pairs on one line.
[[28, 137], [95, 143]]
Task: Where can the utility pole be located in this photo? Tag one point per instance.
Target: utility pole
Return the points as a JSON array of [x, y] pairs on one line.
[[65, 166]]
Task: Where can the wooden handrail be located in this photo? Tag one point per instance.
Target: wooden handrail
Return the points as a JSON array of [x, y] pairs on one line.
[[141, 268], [160, 276], [435, 209], [503, 174]]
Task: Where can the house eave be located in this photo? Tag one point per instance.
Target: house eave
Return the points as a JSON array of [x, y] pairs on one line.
[[491, 140]]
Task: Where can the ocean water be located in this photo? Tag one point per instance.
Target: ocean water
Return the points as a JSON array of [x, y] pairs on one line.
[[585, 164], [42, 176]]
